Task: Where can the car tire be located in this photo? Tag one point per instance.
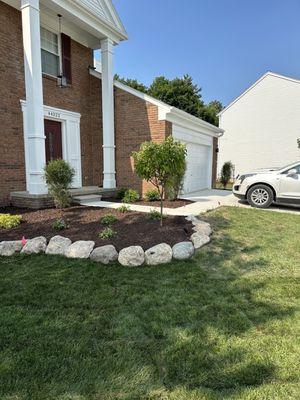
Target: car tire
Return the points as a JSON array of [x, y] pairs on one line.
[[260, 196]]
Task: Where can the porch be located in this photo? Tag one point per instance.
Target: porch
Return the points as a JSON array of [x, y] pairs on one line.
[[24, 199]]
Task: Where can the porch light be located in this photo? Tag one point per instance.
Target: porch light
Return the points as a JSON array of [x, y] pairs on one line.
[[61, 79]]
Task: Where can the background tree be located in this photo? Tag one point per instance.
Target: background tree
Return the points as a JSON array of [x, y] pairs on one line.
[[179, 92], [209, 112], [159, 163], [226, 173], [132, 83], [182, 93]]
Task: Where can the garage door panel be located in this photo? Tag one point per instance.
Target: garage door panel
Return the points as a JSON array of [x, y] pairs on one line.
[[197, 164]]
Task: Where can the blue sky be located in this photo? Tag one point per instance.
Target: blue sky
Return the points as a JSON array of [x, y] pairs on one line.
[[225, 45]]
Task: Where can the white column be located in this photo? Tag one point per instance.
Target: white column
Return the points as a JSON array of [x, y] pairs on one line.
[[34, 135], [109, 169]]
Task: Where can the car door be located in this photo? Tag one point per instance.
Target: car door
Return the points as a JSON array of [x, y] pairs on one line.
[[290, 185]]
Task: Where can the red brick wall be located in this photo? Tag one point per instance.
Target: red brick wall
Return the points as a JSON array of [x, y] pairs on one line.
[[12, 171], [136, 121]]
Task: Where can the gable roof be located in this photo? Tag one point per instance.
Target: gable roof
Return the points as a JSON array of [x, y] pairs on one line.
[[267, 74], [170, 113], [105, 10]]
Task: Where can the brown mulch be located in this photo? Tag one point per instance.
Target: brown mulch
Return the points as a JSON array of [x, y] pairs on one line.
[[133, 228], [167, 203]]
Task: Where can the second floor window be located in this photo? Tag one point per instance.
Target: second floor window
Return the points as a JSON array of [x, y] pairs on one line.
[[50, 52]]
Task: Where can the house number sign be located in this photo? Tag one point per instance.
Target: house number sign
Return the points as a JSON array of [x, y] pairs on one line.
[[53, 114]]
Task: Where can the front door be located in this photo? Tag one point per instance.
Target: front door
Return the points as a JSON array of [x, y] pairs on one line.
[[53, 141]]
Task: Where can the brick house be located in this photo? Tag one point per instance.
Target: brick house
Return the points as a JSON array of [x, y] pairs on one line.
[[54, 104]]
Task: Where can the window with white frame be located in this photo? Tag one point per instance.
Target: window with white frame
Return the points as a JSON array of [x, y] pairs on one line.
[[50, 52]]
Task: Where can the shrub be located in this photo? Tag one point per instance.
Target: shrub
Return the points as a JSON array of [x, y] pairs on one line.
[[8, 221], [155, 215], [107, 233], [226, 173], [174, 185], [131, 196], [159, 163], [123, 208], [152, 195], [59, 176], [121, 193], [60, 224], [108, 219]]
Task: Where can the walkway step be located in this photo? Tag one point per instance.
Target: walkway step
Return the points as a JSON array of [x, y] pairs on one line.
[[88, 198]]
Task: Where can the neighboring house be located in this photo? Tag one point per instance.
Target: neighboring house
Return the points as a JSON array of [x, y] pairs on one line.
[[83, 116], [262, 125]]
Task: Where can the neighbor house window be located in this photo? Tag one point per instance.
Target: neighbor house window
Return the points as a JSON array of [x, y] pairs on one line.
[[50, 52]]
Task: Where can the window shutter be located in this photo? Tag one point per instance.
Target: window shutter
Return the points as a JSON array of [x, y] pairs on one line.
[[66, 57]]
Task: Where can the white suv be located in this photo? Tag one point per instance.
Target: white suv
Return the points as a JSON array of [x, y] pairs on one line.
[[263, 187]]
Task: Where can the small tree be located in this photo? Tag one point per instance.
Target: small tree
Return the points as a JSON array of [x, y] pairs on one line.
[[159, 163], [59, 175], [226, 173]]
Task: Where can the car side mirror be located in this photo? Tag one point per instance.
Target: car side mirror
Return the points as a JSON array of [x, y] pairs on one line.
[[292, 172]]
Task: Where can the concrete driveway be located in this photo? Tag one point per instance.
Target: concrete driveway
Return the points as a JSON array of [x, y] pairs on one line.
[[212, 198]]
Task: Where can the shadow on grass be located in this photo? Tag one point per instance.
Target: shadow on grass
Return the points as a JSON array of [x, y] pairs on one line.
[[71, 329]]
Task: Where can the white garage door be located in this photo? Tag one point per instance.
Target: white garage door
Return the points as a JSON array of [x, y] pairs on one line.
[[197, 164], [198, 160]]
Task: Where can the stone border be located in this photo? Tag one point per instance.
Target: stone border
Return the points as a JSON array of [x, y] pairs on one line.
[[132, 256]]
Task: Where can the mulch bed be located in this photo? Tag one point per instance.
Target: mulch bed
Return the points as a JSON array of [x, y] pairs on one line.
[[133, 228], [167, 203]]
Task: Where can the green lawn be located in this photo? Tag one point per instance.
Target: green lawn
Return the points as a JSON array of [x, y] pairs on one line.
[[223, 326]]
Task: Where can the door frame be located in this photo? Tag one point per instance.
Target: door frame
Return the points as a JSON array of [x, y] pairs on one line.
[[70, 126]]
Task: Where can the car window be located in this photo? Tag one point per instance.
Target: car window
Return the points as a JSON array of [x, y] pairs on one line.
[[297, 167]]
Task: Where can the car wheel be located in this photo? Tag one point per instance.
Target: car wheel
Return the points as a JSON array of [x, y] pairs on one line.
[[260, 196]]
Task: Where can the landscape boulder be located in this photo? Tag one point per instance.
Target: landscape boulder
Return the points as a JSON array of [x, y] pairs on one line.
[[199, 240], [58, 245], [8, 248], [35, 246], [202, 227], [159, 254], [104, 254], [132, 256], [183, 250], [80, 249]]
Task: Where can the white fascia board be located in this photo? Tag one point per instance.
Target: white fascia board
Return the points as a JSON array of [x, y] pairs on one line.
[[269, 73], [187, 120], [169, 113]]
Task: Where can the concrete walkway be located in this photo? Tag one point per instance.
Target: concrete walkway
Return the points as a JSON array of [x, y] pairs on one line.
[[203, 200]]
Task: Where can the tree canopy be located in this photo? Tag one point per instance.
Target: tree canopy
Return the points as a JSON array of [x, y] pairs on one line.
[[160, 164], [182, 93]]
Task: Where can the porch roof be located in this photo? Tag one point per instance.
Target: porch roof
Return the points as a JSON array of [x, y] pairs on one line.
[[86, 21]]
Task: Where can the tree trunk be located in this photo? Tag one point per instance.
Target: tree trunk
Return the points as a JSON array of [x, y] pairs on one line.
[[161, 207]]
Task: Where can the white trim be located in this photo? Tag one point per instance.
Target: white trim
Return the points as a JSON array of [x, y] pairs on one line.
[[268, 73], [108, 131], [169, 113], [70, 126]]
